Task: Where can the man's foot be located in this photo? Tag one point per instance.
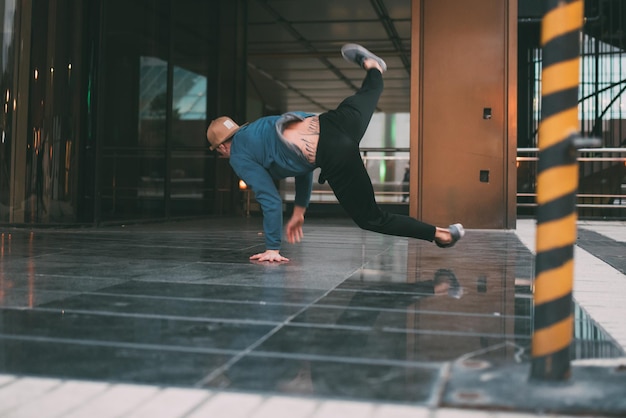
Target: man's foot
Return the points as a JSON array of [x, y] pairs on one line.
[[357, 54], [455, 232]]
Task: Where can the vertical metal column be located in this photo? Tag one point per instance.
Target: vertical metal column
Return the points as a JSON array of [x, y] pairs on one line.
[[557, 183]]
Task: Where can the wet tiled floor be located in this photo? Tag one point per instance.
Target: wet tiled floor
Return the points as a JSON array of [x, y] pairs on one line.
[[354, 315]]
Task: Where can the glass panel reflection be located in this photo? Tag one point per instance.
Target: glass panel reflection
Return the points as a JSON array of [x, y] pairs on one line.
[[54, 119], [152, 101], [135, 105], [7, 89], [133, 185], [190, 192], [189, 95]]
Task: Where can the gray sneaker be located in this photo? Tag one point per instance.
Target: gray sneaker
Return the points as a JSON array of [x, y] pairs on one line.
[[357, 54], [456, 231]]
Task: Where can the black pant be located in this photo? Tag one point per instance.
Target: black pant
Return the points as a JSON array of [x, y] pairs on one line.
[[339, 157]]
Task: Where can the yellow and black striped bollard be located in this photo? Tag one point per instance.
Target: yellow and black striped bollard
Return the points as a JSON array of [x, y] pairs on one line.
[[557, 184]]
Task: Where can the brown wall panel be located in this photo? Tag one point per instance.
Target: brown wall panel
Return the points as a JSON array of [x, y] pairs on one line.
[[464, 69]]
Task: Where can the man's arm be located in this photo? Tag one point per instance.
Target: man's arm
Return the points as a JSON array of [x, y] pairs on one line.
[[271, 203]]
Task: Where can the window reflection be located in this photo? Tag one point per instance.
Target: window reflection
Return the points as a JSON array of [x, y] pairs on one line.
[[7, 80], [155, 161], [152, 101], [134, 103], [189, 95], [54, 116], [188, 116], [188, 174]]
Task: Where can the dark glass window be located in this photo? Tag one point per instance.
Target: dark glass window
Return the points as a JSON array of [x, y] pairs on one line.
[[154, 159], [55, 112], [8, 37]]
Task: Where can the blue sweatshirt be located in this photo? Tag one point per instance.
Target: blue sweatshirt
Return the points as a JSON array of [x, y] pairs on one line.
[[259, 155]]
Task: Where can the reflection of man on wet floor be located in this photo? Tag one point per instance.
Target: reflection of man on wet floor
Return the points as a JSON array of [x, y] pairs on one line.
[[295, 143], [443, 283]]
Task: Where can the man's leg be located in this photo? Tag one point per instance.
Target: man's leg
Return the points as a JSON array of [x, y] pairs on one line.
[[341, 131], [348, 178], [354, 113]]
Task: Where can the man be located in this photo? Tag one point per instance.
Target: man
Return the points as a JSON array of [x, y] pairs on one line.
[[295, 143]]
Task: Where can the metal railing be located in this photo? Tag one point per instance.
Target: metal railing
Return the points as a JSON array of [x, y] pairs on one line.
[[602, 185], [602, 179]]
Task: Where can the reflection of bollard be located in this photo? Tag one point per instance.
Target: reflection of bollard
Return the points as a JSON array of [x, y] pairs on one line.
[[557, 183]]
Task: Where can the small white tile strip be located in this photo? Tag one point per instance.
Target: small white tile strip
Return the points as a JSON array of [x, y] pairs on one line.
[[55, 398]]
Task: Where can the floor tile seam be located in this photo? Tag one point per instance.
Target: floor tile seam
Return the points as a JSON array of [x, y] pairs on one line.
[[132, 241], [395, 330], [245, 285], [124, 281], [418, 311], [375, 361], [220, 300], [221, 263], [389, 329], [65, 276], [21, 289], [127, 275], [185, 299], [457, 333], [248, 248], [348, 247], [382, 291], [6, 259], [198, 319], [119, 344], [128, 231]]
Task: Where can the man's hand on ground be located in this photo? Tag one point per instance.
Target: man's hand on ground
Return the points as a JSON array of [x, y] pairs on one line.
[[269, 255]]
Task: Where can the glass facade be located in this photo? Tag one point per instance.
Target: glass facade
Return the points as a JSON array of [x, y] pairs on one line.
[[54, 112], [154, 158], [107, 119], [9, 37]]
